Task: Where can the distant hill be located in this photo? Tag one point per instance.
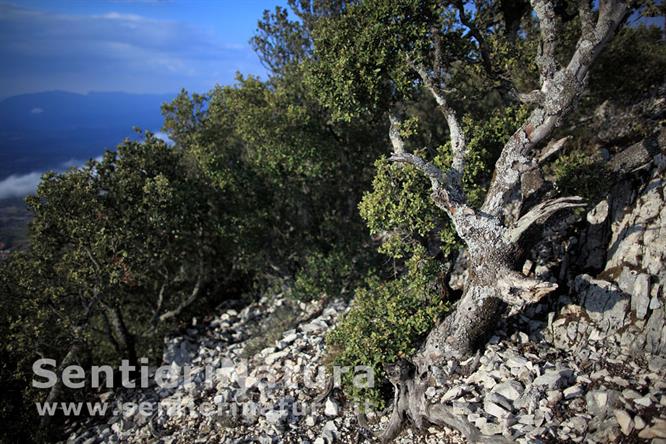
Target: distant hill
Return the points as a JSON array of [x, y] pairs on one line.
[[48, 130]]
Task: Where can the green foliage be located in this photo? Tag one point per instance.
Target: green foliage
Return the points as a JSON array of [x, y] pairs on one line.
[[299, 174], [361, 54], [485, 141], [132, 235], [266, 179], [580, 174], [35, 320], [400, 210], [386, 322], [633, 63], [280, 42], [388, 319], [325, 275], [133, 223]]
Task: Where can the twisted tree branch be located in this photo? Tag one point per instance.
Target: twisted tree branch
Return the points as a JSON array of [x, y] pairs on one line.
[[539, 213], [545, 11], [560, 92], [458, 144]]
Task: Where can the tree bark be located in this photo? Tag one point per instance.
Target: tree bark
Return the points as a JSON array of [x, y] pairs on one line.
[[491, 234], [122, 337], [55, 394]]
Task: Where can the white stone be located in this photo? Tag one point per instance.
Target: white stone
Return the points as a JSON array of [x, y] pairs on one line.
[[276, 417], [624, 420], [499, 400], [573, 392], [655, 303], [527, 267], [495, 410], [511, 389], [553, 379], [604, 302], [453, 393], [599, 213], [645, 401], [274, 357], [516, 361], [639, 423], [630, 394], [490, 429], [330, 431], [331, 408], [640, 299], [657, 430]]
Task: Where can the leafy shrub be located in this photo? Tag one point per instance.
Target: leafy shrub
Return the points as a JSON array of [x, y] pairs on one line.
[[386, 322], [485, 141], [399, 208], [323, 275], [579, 173]]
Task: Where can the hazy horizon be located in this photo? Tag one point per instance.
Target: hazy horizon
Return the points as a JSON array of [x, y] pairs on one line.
[[147, 50]]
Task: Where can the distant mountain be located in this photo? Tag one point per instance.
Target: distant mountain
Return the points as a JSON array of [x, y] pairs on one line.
[[50, 130]]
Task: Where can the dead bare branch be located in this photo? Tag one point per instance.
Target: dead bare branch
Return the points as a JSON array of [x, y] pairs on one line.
[[553, 147], [458, 144], [394, 135], [539, 213], [545, 11], [186, 303]]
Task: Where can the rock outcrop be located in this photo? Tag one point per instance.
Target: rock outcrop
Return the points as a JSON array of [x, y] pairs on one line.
[[624, 304]]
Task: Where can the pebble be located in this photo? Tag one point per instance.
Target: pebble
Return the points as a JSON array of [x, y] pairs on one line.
[[573, 392], [511, 389], [495, 410], [624, 420], [331, 408], [645, 401]]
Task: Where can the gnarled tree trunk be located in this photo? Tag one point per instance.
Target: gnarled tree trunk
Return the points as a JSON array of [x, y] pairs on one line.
[[492, 233]]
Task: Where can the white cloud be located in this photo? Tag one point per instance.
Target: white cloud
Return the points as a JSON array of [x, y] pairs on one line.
[[36, 110], [120, 16], [71, 163], [19, 185]]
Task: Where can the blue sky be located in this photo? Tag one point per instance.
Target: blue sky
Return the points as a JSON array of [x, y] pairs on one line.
[[141, 46]]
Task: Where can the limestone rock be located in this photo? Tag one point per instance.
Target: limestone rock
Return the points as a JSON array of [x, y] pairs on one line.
[[624, 420], [331, 408]]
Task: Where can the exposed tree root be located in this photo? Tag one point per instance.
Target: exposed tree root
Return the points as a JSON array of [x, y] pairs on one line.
[[410, 404]]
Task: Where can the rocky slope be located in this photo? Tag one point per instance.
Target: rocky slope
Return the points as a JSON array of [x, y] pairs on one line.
[[522, 388]]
